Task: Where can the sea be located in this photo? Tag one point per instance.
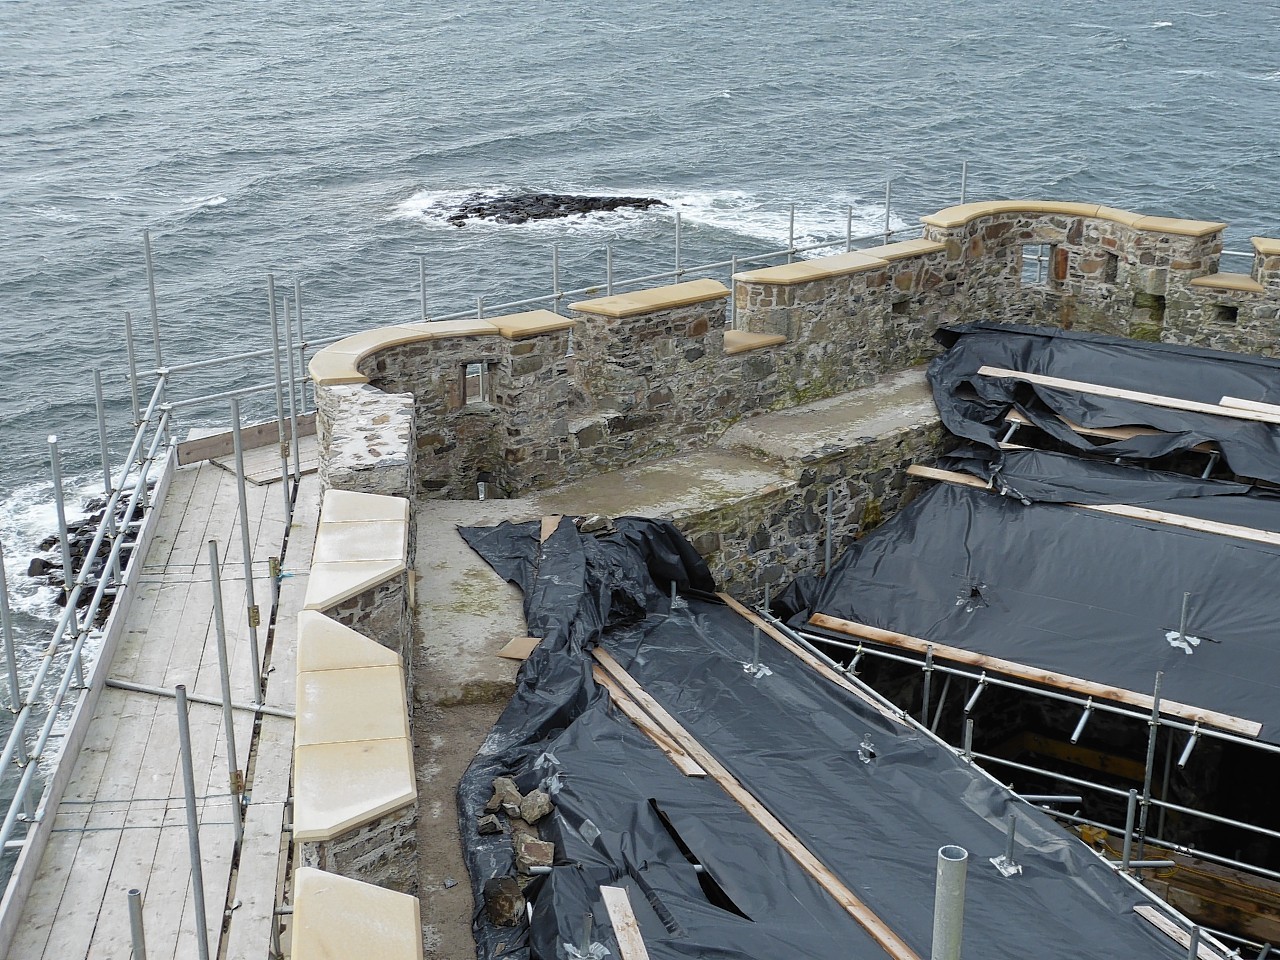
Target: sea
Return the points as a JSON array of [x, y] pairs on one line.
[[327, 143]]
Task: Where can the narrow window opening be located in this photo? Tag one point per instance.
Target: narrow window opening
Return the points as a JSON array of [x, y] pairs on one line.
[[1110, 267], [1225, 314], [1039, 267], [477, 382]]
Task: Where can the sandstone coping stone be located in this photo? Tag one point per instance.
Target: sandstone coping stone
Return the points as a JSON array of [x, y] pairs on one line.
[[339, 362], [339, 787], [654, 300], [1235, 282], [329, 584], [349, 506], [1266, 246], [965, 213], [336, 918], [804, 271], [741, 341], [361, 540], [350, 704], [325, 644], [906, 249]]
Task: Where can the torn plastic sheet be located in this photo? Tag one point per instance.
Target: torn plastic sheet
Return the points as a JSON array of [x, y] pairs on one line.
[[1073, 591], [873, 798], [974, 406]]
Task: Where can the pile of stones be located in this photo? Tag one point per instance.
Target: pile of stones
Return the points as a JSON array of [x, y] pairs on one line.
[[504, 901], [523, 207]]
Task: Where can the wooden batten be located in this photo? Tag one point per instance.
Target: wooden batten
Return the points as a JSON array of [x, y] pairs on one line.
[[863, 915], [633, 712], [1089, 688], [623, 920]]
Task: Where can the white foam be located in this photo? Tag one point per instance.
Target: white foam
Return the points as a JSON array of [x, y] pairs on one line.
[[28, 516], [198, 203], [1161, 24], [734, 211]]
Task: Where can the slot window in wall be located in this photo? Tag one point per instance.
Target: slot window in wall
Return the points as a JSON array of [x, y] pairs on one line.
[[1038, 265], [477, 382]]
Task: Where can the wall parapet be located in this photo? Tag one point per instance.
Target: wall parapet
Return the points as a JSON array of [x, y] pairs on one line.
[[521, 403]]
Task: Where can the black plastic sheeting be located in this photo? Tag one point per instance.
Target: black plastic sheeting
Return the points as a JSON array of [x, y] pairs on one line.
[[974, 406], [624, 815]]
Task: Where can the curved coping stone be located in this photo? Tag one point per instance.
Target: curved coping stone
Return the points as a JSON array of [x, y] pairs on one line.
[[336, 917], [339, 362], [353, 756], [654, 300], [804, 271], [1233, 282], [965, 213], [362, 540], [1266, 246]]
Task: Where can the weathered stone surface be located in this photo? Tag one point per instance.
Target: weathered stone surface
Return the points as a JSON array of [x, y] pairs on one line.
[[489, 824], [531, 852], [505, 794], [535, 806], [504, 904]]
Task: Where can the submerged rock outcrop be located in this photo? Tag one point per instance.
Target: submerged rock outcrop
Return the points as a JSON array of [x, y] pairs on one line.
[[523, 207]]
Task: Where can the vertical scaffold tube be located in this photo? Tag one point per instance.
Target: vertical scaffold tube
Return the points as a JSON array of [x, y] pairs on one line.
[[948, 902]]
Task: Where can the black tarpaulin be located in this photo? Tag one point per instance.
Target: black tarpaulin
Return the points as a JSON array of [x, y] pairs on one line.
[[974, 406], [871, 797], [1088, 595]]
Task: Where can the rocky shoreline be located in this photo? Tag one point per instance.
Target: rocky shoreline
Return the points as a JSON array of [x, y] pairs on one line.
[[523, 207]]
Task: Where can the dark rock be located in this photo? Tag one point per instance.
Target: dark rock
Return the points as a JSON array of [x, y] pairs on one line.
[[505, 794], [39, 567], [522, 207], [504, 904], [531, 852], [535, 806], [489, 824], [595, 524]]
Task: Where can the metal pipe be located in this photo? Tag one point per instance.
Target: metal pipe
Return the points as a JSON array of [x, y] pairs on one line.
[[1186, 751], [1084, 718], [608, 270], [942, 699], [109, 516], [151, 290], [251, 604], [68, 572], [224, 395], [1182, 622], [10, 656], [755, 646], [848, 229], [977, 692], [193, 823], [678, 232], [948, 902], [293, 403], [1051, 797], [131, 353], [135, 925], [199, 698], [479, 308], [1149, 771], [1164, 782], [1128, 830], [967, 751], [888, 196], [275, 353], [422, 284], [555, 277], [733, 294], [302, 346], [1009, 862], [964, 179], [928, 677], [791, 235], [1193, 944], [224, 675]]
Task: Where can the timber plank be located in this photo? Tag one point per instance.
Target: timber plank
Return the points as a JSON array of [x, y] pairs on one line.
[[1269, 537], [1137, 396], [876, 928], [249, 936], [1210, 718], [623, 920], [633, 712]]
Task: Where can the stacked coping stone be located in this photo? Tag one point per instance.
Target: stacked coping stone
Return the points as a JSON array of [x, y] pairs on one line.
[[355, 794]]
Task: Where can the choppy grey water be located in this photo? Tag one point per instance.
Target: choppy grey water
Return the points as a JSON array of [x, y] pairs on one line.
[[325, 141]]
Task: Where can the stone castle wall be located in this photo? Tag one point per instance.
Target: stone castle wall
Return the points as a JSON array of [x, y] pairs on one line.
[[639, 376]]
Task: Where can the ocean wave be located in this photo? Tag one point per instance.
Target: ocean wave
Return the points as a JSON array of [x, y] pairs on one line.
[[733, 211], [1161, 24], [201, 203], [27, 517]]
